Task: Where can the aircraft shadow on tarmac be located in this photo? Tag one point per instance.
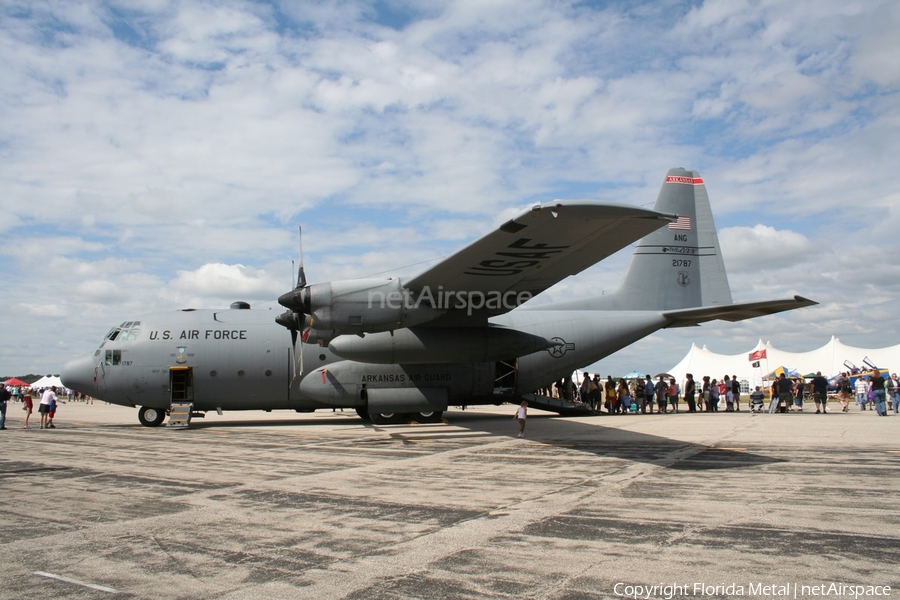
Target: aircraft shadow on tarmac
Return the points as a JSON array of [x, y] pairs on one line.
[[598, 438], [593, 437]]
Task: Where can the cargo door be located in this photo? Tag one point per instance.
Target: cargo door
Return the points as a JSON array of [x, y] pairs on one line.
[[181, 385]]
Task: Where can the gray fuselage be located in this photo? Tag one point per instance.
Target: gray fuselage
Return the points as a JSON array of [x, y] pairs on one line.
[[242, 360]]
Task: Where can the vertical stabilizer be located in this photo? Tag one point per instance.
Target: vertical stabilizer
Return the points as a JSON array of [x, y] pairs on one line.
[[680, 265]]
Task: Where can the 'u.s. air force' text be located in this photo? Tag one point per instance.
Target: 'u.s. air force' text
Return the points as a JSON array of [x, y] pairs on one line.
[[197, 334]]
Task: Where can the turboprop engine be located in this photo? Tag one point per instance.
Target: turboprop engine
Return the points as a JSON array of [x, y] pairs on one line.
[[355, 306]]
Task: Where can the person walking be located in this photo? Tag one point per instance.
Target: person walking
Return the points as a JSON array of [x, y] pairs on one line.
[[736, 392], [649, 391], [568, 390], [596, 393], [585, 389], [52, 412], [713, 396], [785, 392], [28, 406], [798, 394], [845, 392], [729, 394], [4, 398], [662, 394], [862, 392], [47, 398], [624, 395], [672, 394], [612, 400], [820, 392], [705, 391], [521, 417], [878, 393], [894, 388], [690, 390]]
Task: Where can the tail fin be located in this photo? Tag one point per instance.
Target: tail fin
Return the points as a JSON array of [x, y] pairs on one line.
[[678, 270], [680, 265]]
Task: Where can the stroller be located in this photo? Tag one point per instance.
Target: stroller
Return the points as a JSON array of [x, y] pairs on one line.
[[629, 405]]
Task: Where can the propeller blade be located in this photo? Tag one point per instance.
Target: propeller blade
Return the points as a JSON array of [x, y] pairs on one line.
[[293, 353], [300, 358], [297, 301]]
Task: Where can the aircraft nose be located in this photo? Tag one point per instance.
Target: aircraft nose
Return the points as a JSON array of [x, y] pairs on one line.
[[78, 375]]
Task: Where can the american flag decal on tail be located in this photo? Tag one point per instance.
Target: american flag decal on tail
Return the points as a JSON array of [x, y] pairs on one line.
[[681, 223]]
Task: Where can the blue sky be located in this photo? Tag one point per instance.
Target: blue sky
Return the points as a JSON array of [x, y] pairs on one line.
[[159, 155]]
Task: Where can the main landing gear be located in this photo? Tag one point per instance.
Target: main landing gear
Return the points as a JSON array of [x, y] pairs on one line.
[[433, 416], [151, 417], [393, 418]]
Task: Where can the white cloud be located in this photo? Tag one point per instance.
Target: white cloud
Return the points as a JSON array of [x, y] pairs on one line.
[[764, 249], [222, 281], [50, 311]]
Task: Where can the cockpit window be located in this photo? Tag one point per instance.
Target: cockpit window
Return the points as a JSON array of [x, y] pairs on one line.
[[134, 328], [126, 332]]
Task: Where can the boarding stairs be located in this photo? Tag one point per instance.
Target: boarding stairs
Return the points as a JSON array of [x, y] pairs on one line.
[[180, 414]]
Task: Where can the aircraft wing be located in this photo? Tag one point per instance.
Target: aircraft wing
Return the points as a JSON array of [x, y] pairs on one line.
[[539, 248], [734, 312]]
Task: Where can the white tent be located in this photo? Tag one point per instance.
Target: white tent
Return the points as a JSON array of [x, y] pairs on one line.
[[830, 359], [47, 381]]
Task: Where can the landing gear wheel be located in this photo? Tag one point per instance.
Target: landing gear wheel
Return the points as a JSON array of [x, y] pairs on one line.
[[383, 418], [363, 414], [433, 416], [151, 417]]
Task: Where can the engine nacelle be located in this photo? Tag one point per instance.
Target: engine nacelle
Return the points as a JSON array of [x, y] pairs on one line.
[[359, 306]]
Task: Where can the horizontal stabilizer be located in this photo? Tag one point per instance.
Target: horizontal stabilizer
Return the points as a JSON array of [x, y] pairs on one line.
[[733, 312]]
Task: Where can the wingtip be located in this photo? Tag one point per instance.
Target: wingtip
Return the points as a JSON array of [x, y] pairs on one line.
[[804, 301]]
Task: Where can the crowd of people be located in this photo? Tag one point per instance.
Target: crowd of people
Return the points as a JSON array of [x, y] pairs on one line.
[[874, 391], [664, 394], [618, 396], [48, 400], [646, 395]]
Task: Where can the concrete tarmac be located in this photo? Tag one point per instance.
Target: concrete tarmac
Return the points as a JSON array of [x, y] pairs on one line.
[[322, 506]]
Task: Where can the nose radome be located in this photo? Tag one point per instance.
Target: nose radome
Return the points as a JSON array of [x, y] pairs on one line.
[[78, 375]]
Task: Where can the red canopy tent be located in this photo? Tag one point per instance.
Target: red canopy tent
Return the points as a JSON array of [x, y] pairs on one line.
[[14, 382]]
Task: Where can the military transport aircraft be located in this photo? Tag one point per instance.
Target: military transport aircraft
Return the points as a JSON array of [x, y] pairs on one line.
[[460, 333]]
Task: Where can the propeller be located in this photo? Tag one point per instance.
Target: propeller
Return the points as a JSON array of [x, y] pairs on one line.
[[297, 320]]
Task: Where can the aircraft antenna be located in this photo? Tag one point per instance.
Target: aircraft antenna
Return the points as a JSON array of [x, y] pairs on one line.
[[301, 283], [415, 264], [301, 275]]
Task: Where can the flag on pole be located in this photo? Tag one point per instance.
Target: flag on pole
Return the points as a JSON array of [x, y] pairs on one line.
[[758, 355]]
